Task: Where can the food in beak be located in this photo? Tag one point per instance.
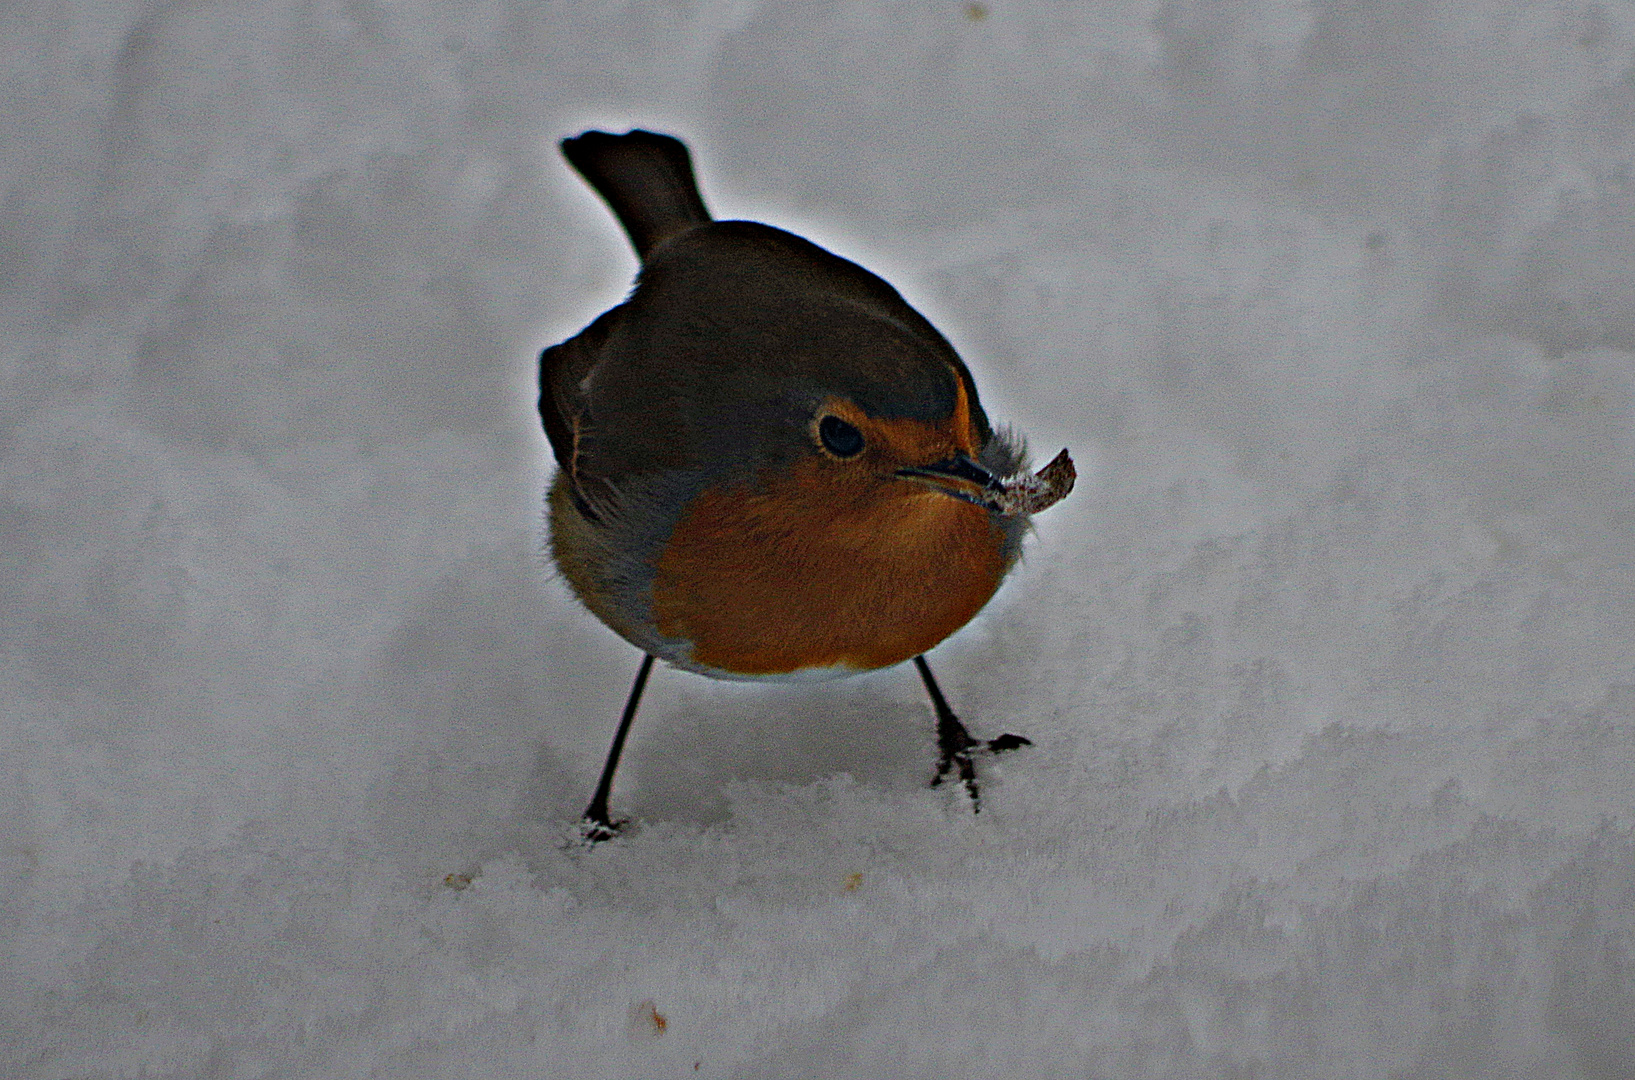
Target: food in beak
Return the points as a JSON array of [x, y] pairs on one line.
[[1030, 494]]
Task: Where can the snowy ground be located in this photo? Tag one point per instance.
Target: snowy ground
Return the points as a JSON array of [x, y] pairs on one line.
[[1329, 661]]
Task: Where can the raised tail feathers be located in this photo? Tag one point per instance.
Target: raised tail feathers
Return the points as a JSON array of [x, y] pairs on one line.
[[647, 180]]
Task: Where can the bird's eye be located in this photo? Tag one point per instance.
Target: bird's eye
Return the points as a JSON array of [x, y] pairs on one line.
[[839, 438]]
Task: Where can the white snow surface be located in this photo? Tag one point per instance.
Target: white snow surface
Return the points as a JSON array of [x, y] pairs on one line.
[[1329, 661]]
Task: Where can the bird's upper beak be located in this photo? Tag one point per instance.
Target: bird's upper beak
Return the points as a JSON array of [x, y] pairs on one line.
[[958, 476]]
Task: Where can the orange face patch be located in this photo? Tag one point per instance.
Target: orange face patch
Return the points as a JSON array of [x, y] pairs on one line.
[[895, 444], [834, 563]]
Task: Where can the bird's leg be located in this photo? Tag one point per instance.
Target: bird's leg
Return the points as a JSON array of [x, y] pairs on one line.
[[596, 825], [955, 744]]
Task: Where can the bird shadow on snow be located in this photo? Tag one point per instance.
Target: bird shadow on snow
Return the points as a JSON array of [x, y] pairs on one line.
[[701, 737], [504, 699]]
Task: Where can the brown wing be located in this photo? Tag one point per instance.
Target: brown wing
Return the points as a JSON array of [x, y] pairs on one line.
[[563, 407]]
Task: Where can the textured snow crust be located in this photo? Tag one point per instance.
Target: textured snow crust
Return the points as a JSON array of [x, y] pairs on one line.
[[1329, 660]]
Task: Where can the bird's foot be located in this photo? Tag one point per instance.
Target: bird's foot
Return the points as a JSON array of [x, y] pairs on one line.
[[957, 747], [594, 830]]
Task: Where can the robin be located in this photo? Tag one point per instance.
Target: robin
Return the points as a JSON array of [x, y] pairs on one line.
[[770, 465]]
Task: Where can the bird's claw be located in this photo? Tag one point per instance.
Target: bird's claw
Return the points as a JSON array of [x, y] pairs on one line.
[[957, 750], [595, 831], [1008, 742]]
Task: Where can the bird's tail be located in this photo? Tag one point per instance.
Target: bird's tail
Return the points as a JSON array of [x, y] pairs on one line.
[[647, 179]]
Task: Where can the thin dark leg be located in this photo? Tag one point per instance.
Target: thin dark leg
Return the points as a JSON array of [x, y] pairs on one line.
[[597, 825], [954, 742]]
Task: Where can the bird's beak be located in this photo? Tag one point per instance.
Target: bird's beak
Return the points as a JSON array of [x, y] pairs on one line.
[[1012, 496], [958, 476]]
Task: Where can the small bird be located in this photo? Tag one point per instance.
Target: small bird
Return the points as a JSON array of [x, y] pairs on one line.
[[770, 466]]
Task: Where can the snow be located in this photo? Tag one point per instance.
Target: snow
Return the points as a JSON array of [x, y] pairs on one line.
[[1329, 661]]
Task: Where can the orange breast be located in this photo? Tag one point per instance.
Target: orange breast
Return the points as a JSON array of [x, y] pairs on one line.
[[810, 573]]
